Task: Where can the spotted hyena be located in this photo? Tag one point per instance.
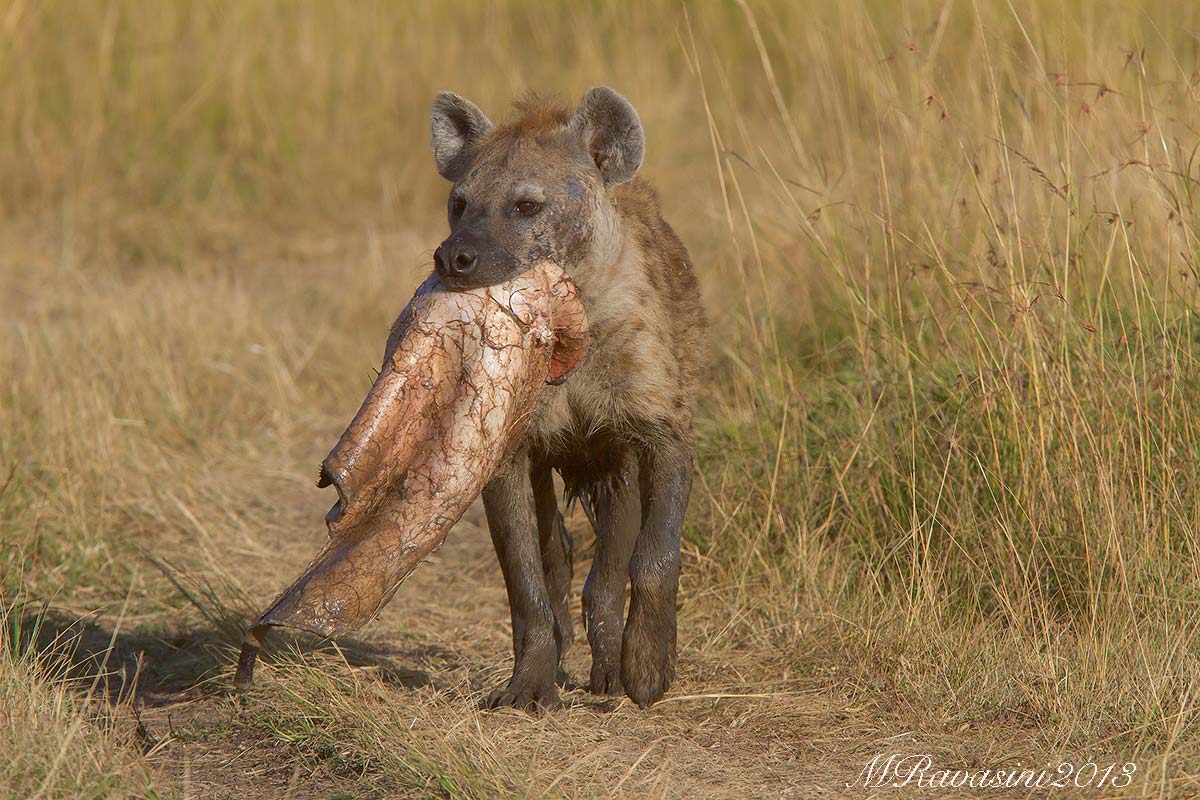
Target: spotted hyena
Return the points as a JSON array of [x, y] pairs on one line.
[[559, 184]]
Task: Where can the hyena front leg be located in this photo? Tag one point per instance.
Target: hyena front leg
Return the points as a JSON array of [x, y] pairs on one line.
[[508, 501], [555, 545], [648, 650], [618, 519]]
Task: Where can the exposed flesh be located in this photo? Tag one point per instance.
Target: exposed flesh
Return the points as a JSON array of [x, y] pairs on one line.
[[461, 376]]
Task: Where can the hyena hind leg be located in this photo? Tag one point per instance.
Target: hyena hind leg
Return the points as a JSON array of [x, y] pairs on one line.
[[557, 562], [618, 516]]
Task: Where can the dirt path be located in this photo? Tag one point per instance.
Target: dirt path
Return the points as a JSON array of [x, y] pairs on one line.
[[445, 640]]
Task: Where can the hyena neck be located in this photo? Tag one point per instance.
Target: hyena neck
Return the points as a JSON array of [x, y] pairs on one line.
[[600, 269]]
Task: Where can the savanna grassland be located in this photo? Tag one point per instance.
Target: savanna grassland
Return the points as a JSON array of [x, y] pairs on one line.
[[947, 494]]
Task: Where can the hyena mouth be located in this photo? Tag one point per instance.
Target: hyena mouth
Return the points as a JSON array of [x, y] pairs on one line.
[[462, 374]]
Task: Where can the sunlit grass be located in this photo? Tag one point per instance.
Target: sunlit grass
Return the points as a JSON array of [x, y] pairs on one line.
[[949, 251]]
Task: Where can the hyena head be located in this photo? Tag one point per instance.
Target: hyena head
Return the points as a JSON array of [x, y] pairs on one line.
[[530, 189]]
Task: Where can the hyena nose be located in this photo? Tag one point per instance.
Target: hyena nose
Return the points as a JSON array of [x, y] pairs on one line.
[[464, 261], [456, 260]]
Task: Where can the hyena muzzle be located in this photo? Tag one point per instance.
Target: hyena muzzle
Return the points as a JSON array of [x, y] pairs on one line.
[[557, 184]]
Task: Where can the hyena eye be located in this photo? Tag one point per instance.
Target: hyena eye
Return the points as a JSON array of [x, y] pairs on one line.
[[457, 205], [527, 208]]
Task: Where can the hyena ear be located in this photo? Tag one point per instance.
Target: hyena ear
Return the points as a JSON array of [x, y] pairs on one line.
[[613, 133], [456, 126]]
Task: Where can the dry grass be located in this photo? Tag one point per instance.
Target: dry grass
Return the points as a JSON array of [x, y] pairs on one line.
[[57, 742], [947, 465]]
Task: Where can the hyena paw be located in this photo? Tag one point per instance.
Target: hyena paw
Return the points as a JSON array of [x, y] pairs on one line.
[[647, 660], [532, 696], [606, 679]]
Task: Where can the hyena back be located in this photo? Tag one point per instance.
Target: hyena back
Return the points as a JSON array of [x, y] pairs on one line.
[[559, 185]]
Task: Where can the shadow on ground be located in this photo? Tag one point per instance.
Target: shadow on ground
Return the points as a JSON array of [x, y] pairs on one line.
[[161, 667]]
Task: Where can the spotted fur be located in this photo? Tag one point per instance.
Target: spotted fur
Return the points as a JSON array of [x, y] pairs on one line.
[[619, 430]]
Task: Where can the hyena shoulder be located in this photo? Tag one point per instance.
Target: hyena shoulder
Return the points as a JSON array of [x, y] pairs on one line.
[[670, 289], [648, 336]]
